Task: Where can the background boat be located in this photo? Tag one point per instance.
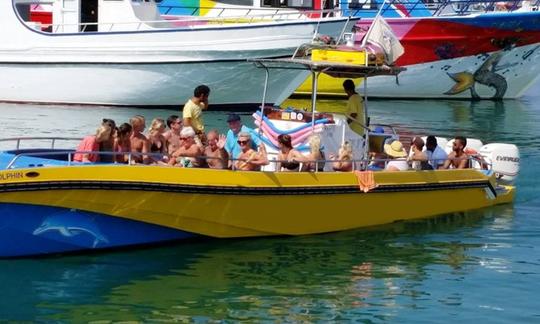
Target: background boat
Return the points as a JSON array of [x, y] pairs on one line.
[[126, 54]]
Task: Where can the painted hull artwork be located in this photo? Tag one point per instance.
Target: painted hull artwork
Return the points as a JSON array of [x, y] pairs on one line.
[[487, 56], [485, 75]]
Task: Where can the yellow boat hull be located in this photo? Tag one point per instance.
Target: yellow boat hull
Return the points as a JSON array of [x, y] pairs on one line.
[[227, 204], [326, 86]]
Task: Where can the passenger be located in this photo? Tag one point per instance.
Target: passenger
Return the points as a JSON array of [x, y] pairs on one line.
[[376, 156], [189, 153], [216, 156], [397, 153], [139, 143], [91, 143], [107, 146], [314, 161], [249, 159], [457, 159], [355, 108], [172, 136], [289, 158], [158, 144], [435, 154], [193, 109], [419, 158], [235, 128], [344, 160], [122, 143]]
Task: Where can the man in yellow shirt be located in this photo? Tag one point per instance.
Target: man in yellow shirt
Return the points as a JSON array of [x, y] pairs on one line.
[[193, 109], [355, 108]]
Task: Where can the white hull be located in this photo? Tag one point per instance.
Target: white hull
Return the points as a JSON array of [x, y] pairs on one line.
[[231, 83], [519, 67], [153, 67]]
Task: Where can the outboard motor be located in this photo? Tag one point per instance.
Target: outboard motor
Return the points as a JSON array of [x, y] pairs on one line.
[[504, 160]]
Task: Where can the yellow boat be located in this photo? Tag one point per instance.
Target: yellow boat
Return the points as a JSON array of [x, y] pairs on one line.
[[49, 204]]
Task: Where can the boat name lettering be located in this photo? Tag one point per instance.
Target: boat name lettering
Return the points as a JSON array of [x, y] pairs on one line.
[[11, 176], [507, 158]]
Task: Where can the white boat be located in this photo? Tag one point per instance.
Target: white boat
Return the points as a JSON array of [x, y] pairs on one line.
[[124, 53]]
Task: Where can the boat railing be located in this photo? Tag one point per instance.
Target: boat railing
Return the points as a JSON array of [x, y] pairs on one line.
[[244, 11], [179, 22], [52, 140], [375, 164], [466, 7], [418, 8]]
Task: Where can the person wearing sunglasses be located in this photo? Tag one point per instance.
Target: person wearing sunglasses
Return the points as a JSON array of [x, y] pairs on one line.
[[249, 159], [457, 159], [189, 153], [235, 128], [172, 136]]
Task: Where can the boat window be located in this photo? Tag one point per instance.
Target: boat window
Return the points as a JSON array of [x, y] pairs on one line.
[[305, 4], [362, 4]]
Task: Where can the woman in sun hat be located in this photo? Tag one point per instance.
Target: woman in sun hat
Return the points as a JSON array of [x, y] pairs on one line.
[[397, 153]]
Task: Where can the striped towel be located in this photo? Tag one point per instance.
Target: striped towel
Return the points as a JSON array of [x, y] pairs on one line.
[[366, 180]]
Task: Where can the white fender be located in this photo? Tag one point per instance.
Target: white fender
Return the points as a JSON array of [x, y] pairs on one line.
[[504, 160]]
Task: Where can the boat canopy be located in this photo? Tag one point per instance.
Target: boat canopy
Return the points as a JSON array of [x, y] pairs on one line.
[[337, 70]]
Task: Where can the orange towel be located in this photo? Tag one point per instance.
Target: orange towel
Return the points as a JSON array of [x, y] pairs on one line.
[[366, 180]]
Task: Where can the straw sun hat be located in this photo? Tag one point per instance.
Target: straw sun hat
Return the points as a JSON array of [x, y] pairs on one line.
[[395, 149]]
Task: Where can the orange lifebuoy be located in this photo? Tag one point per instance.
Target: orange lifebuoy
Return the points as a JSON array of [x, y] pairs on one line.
[[470, 151], [474, 154]]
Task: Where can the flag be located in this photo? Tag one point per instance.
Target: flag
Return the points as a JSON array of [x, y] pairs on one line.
[[381, 34]]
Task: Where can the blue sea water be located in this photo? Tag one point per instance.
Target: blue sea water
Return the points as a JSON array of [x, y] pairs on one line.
[[481, 265]]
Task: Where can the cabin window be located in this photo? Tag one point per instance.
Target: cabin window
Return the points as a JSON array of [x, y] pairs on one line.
[[362, 4], [304, 4]]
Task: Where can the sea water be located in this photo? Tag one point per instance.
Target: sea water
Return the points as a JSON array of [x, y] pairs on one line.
[[481, 265]]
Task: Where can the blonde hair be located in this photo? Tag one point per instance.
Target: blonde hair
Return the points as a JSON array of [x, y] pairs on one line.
[[314, 143], [345, 150], [137, 119], [103, 133], [157, 124]]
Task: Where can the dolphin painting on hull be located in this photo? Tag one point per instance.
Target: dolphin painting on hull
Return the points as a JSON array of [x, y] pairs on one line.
[[68, 225], [483, 75]]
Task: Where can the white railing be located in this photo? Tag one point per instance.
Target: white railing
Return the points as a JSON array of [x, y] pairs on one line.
[[183, 22], [52, 140]]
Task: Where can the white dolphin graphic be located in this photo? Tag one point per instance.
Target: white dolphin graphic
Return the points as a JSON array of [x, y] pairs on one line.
[[70, 225]]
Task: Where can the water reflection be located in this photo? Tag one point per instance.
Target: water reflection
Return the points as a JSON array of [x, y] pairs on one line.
[[370, 273]]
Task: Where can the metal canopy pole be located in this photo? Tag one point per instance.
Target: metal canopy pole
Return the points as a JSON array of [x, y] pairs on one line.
[[366, 118], [267, 74], [314, 78]]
